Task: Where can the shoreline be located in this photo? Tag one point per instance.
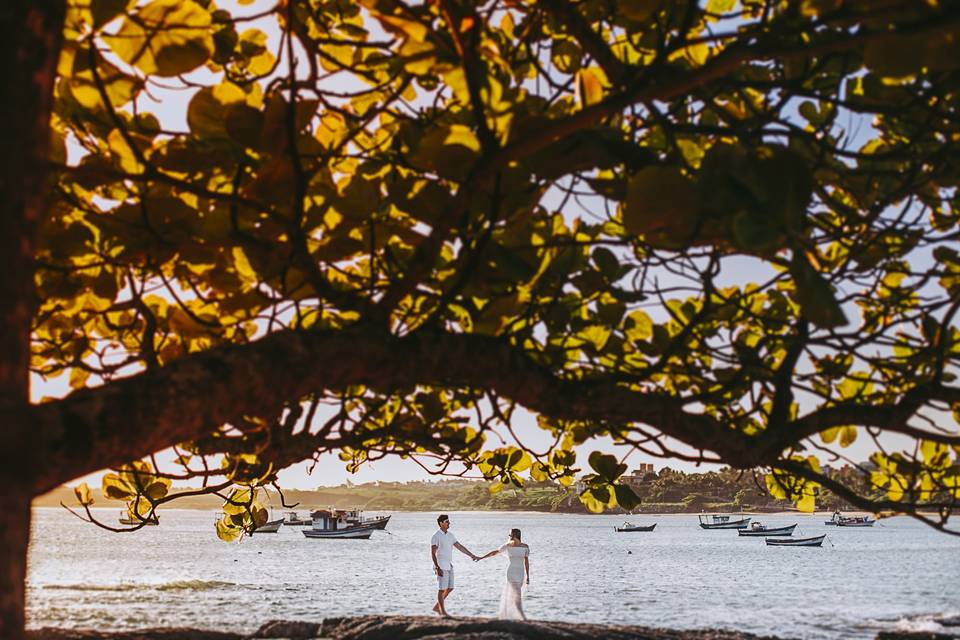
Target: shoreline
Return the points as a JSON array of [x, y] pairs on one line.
[[373, 627], [621, 514]]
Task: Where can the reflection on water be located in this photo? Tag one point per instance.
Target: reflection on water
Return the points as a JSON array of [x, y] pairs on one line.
[[899, 574]]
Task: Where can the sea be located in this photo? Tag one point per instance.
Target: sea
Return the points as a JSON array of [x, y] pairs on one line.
[[898, 575]]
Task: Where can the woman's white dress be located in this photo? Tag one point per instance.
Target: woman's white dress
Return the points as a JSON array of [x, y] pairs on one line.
[[511, 600]]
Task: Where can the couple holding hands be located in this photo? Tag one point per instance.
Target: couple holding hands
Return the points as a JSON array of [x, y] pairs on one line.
[[441, 549]]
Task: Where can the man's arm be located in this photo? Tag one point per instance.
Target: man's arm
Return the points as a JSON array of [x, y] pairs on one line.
[[436, 565], [463, 549]]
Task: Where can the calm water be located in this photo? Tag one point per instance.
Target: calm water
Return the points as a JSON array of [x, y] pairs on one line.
[[898, 574]]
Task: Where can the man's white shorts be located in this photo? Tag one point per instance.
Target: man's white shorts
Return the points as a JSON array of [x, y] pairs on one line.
[[445, 581]]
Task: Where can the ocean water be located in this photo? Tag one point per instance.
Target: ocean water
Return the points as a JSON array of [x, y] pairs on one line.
[[898, 574]]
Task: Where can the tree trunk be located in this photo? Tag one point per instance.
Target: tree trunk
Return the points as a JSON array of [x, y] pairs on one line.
[[29, 50], [14, 536]]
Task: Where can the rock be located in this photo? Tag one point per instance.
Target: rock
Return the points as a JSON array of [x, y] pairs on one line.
[[288, 629], [146, 634], [429, 628], [915, 635]]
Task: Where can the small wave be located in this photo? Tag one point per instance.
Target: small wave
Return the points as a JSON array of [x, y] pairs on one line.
[[177, 585], [195, 585], [917, 623]]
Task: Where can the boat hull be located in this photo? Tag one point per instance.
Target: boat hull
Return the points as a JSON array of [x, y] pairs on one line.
[[378, 523], [856, 524], [650, 527], [815, 541], [269, 527], [356, 533], [733, 524], [146, 522], [758, 533]]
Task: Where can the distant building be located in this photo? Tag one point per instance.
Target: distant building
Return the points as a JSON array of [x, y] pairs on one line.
[[642, 475]]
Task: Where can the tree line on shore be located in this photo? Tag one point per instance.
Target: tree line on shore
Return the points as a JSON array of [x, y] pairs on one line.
[[668, 491]]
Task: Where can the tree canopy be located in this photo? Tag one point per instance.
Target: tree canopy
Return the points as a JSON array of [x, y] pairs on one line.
[[266, 231]]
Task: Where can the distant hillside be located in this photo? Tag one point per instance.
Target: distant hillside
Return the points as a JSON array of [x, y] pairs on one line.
[[665, 492]]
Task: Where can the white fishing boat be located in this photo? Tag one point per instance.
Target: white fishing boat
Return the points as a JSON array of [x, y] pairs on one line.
[[722, 521], [340, 524]]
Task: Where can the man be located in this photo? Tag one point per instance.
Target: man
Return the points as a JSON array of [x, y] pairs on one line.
[[442, 545]]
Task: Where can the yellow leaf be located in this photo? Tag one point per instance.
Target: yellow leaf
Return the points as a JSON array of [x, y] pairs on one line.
[[84, 496], [807, 503], [589, 87], [165, 38], [829, 435], [775, 487], [226, 531], [847, 436]]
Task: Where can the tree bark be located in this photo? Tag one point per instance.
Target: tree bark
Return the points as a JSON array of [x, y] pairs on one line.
[[14, 536], [29, 51]]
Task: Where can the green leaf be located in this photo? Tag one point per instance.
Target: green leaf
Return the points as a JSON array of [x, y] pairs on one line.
[[606, 466], [626, 498], [662, 206], [639, 10], [815, 295]]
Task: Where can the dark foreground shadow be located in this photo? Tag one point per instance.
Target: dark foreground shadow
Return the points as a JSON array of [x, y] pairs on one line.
[[435, 628]]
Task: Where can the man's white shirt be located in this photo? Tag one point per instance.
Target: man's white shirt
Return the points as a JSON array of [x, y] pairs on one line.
[[444, 543]]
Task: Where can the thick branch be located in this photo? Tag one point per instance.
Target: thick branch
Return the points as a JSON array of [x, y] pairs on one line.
[[129, 418]]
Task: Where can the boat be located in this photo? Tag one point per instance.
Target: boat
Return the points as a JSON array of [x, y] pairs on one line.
[[269, 527], [627, 527], [721, 521], [840, 520], [338, 524], [149, 521], [355, 517], [857, 521], [292, 519], [756, 529], [815, 541]]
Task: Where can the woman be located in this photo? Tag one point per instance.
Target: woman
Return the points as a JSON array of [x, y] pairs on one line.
[[511, 605]]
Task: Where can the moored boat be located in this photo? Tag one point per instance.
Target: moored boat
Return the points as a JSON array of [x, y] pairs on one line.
[[338, 524], [293, 519], [721, 521], [269, 527], [815, 541], [627, 527], [757, 529], [127, 519], [858, 521]]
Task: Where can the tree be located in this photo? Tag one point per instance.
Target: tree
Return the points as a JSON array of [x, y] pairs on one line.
[[385, 225]]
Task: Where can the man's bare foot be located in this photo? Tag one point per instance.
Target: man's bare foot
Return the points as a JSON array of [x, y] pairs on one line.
[[436, 608]]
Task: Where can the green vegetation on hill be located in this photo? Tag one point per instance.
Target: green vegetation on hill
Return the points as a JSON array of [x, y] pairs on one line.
[[668, 491]]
